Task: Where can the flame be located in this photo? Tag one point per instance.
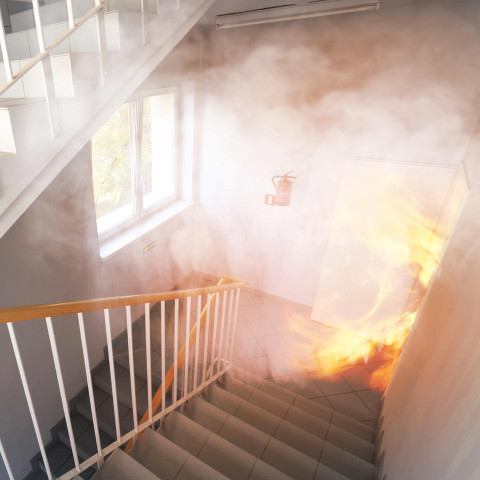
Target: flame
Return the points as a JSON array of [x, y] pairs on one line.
[[402, 244]]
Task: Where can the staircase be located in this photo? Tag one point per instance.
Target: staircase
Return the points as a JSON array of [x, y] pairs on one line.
[[245, 427], [203, 419], [42, 125]]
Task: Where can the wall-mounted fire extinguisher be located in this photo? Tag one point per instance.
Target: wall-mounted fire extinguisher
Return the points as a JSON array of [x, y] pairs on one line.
[[283, 189]]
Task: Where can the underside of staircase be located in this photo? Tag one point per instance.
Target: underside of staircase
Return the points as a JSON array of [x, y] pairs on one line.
[[136, 42]]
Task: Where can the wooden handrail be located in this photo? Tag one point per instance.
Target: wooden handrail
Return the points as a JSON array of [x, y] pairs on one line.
[[18, 314], [169, 377]]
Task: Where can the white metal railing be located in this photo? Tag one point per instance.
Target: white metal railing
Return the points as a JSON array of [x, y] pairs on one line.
[[45, 51], [190, 356]]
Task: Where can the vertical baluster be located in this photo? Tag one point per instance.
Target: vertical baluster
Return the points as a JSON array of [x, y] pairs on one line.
[[237, 300], [70, 18], [145, 31], [229, 326], [214, 337], [50, 96], [175, 353], [5, 461], [187, 344], [148, 344], [205, 350], [88, 372], [102, 44], [162, 327], [197, 340], [3, 47], [222, 326], [112, 373], [63, 395], [28, 396], [132, 369]]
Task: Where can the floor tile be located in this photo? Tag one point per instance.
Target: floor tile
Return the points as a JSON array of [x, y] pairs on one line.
[[273, 344], [260, 366], [331, 384], [358, 377], [322, 401], [372, 399], [351, 405], [301, 384], [285, 364], [248, 348], [261, 327]]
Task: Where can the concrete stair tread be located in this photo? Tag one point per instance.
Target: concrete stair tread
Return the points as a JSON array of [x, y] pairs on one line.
[[167, 460], [284, 456], [285, 395], [105, 413], [121, 466], [212, 449], [264, 408]]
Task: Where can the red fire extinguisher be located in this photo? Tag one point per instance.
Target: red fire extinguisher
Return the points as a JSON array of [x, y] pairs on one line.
[[283, 189]]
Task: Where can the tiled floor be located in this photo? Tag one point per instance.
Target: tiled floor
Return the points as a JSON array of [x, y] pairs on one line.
[[276, 339]]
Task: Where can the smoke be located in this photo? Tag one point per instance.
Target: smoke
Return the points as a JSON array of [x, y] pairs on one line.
[[400, 84]]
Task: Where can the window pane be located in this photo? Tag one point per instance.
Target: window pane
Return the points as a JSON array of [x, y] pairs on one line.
[[112, 171], [158, 148]]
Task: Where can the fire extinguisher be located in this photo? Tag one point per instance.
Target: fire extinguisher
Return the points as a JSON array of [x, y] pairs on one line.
[[283, 189]]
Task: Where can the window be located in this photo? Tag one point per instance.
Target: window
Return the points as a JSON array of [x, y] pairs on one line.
[[134, 161]]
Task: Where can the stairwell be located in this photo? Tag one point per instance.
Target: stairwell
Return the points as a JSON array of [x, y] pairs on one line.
[[242, 426]]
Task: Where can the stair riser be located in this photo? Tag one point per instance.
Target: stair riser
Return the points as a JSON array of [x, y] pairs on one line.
[[56, 12], [24, 44], [32, 86]]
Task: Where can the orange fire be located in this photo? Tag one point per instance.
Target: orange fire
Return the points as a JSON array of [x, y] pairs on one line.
[[398, 246]]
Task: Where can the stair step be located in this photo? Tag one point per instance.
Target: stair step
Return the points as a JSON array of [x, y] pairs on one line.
[[105, 413], [281, 393], [61, 461], [169, 461], [24, 44], [84, 436], [121, 466], [56, 12], [215, 451], [285, 456], [262, 411]]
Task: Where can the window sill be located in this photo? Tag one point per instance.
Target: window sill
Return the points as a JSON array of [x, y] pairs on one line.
[[113, 244]]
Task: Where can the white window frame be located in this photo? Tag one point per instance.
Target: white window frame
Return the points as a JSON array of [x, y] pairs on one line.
[[135, 110]]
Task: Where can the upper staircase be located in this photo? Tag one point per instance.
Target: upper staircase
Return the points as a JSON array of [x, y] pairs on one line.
[[53, 106]]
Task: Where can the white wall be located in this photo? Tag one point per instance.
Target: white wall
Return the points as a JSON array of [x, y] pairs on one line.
[[399, 84], [432, 414], [51, 254]]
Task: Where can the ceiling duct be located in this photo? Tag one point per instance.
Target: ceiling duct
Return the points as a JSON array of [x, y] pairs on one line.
[[294, 12]]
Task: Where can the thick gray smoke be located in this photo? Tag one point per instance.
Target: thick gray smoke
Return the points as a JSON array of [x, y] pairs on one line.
[[400, 84]]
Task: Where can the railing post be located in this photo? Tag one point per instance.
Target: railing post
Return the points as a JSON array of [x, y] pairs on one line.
[[205, 350], [132, 369], [214, 337], [237, 301], [3, 46], [112, 373], [175, 355], [4, 457], [162, 328], [86, 360], [28, 396], [197, 341], [148, 344], [102, 44], [50, 96], [187, 343], [63, 395]]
